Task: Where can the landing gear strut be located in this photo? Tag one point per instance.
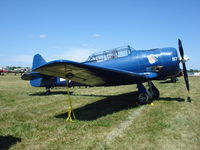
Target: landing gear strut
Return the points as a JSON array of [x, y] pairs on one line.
[[147, 96], [153, 90]]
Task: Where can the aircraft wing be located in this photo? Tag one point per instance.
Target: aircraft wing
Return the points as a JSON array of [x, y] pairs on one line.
[[91, 74]]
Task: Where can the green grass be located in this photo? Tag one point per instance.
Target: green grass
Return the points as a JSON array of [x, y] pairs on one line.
[[107, 117]]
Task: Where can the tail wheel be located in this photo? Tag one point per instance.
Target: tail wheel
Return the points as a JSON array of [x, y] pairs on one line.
[[48, 92]]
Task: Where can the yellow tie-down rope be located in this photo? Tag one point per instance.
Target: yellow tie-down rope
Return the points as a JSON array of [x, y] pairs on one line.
[[71, 114]]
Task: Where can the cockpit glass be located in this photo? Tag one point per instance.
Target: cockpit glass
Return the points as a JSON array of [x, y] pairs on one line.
[[110, 54]]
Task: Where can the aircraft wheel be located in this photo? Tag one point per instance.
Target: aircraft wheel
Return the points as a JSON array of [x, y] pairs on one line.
[[48, 92], [174, 80], [143, 98]]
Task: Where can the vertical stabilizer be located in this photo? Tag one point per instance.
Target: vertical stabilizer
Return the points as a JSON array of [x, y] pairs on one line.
[[38, 61]]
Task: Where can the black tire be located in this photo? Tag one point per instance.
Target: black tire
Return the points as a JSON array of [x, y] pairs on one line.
[[48, 92], [143, 98], [174, 80]]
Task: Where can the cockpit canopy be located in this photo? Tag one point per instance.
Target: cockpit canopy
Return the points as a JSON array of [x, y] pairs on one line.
[[110, 54]]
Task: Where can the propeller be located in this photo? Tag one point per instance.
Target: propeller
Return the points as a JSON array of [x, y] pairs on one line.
[[183, 61]]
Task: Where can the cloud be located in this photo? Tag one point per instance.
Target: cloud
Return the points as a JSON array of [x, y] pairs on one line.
[[74, 54], [17, 60], [96, 35], [43, 36], [23, 59]]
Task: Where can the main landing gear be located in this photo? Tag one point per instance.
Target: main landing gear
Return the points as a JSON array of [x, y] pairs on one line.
[[147, 96]]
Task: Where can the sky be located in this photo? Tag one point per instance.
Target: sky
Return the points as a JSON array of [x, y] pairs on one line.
[[74, 29]]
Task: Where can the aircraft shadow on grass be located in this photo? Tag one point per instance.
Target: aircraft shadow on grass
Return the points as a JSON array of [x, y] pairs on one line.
[[108, 105], [171, 99], [52, 93], [7, 141], [72, 93], [65, 93]]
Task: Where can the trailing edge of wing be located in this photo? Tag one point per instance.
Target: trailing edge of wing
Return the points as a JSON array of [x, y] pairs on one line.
[[91, 74]]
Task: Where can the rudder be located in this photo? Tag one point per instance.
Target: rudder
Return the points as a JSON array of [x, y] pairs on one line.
[[38, 61]]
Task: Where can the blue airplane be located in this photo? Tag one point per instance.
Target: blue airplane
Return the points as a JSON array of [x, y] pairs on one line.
[[120, 66]]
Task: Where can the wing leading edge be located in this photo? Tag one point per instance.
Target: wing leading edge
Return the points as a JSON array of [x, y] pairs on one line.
[[90, 74]]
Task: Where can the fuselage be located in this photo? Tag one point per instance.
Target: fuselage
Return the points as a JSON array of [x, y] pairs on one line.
[[164, 61]]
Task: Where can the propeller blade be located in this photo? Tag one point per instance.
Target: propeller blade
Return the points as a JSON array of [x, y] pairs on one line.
[[186, 77], [184, 66], [181, 48]]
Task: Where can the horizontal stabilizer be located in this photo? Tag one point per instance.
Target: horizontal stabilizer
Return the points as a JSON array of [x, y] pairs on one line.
[[32, 76]]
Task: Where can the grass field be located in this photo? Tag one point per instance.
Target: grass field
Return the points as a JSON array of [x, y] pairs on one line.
[[107, 118]]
